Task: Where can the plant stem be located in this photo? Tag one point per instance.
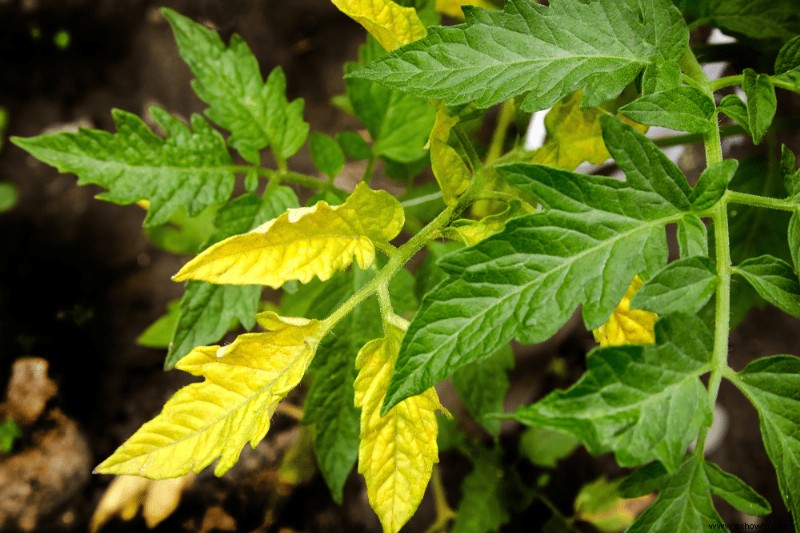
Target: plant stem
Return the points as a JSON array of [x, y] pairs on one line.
[[755, 200], [694, 70], [444, 513], [713, 145], [504, 119], [395, 263], [368, 171], [288, 176], [727, 81]]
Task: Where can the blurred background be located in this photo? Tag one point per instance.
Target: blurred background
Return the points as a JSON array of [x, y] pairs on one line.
[[81, 281]]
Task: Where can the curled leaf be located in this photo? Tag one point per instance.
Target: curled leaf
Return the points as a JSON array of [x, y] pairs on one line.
[[303, 243]]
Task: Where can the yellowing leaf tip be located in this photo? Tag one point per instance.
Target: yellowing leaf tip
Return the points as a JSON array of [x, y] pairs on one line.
[[391, 24]]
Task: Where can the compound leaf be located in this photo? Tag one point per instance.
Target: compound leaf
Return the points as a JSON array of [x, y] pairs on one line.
[[229, 80], [398, 450], [758, 19], [303, 243], [391, 24], [593, 236], [774, 280], [642, 402], [772, 384], [546, 52], [214, 419], [187, 167], [679, 108], [683, 504], [684, 285]]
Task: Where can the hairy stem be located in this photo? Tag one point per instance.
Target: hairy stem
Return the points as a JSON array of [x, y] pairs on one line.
[[734, 197], [395, 263], [287, 176]]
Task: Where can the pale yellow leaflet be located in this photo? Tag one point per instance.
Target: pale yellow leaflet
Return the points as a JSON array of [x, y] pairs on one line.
[[573, 135], [627, 326], [391, 24], [158, 499], [452, 8], [303, 243], [472, 232], [450, 170], [397, 451], [214, 419]]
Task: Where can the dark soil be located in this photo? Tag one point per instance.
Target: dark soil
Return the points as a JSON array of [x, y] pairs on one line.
[[81, 281]]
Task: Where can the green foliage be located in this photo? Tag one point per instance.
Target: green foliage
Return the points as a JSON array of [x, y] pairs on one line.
[[547, 53], [9, 432], [541, 241]]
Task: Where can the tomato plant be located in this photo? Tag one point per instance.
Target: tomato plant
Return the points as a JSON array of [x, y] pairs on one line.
[[516, 242]]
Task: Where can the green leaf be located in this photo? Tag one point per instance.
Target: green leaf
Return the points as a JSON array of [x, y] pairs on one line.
[[772, 384], [774, 280], [208, 311], [524, 282], [735, 108], [546, 52], [9, 432], [789, 56], [330, 407], [645, 480], [8, 196], [184, 234], [642, 402], [684, 285], [790, 172], [159, 333], [483, 385], [680, 108], [229, 80], [794, 238], [326, 153], [188, 168], [761, 103], [684, 504], [545, 447], [483, 508], [354, 145], [758, 19], [692, 237], [736, 492], [430, 273], [398, 123], [712, 184]]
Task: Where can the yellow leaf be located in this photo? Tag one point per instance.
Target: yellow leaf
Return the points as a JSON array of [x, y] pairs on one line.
[[397, 451], [392, 25], [303, 243], [244, 382], [450, 170], [123, 497], [452, 8], [600, 504], [573, 135], [626, 326], [471, 232]]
